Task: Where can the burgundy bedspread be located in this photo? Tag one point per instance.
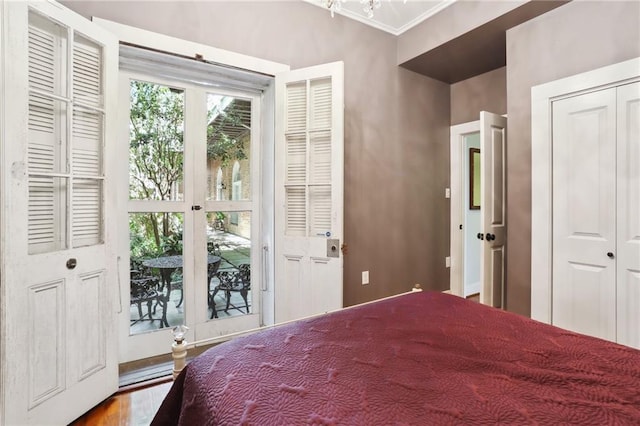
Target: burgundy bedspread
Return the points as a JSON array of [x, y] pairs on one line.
[[420, 359]]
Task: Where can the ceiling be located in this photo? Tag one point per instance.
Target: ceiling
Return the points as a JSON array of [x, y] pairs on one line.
[[393, 16]]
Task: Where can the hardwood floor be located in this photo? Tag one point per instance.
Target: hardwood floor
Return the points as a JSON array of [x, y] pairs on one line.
[[134, 407]]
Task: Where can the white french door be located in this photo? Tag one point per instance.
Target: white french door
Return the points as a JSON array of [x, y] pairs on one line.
[[309, 191], [59, 268], [193, 212]]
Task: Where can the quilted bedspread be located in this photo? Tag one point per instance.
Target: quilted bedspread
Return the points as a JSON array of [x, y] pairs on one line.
[[417, 359]]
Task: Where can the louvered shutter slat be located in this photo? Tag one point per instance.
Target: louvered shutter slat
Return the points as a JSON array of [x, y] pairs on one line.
[[45, 138], [320, 104], [296, 98], [320, 158], [87, 214], [296, 159], [87, 154], [320, 208], [296, 216]]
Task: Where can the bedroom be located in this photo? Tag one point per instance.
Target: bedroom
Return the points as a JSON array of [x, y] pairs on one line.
[[397, 122]]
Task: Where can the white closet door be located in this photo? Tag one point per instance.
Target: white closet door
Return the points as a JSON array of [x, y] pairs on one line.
[[584, 206], [628, 230]]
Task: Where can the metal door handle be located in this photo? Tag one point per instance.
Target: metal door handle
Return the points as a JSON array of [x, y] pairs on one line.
[[71, 263], [480, 236], [491, 237]]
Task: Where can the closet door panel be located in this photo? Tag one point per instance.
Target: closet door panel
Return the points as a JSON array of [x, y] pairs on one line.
[[628, 214], [584, 200]]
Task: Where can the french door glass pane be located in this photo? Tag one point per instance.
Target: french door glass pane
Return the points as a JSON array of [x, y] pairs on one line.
[[229, 281], [156, 146], [228, 148], [156, 285]]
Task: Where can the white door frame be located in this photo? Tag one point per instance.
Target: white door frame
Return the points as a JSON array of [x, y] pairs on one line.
[[165, 43], [542, 97], [458, 133]]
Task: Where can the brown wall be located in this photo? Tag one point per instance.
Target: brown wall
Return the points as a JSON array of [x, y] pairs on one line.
[[486, 92], [577, 37], [449, 23], [396, 126]]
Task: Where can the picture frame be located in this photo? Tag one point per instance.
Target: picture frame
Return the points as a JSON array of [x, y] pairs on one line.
[[474, 179]]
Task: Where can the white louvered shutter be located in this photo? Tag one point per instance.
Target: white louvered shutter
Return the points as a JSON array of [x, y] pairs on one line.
[[309, 175], [87, 143], [46, 135], [65, 138], [308, 158]]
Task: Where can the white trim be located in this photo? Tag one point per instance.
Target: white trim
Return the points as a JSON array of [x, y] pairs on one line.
[[3, 209], [187, 48], [396, 31], [542, 97]]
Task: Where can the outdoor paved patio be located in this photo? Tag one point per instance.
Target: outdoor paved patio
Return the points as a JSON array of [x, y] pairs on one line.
[[235, 250]]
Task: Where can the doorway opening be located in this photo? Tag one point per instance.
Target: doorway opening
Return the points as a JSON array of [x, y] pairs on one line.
[[478, 208], [466, 207], [194, 201]]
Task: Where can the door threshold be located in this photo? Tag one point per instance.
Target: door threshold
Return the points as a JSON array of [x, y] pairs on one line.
[[153, 370]]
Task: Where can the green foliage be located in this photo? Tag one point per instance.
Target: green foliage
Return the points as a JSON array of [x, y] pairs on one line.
[[156, 160], [156, 148], [219, 145]]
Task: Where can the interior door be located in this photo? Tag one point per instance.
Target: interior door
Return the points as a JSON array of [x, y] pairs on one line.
[[493, 139], [309, 191], [584, 214], [628, 214], [60, 262]]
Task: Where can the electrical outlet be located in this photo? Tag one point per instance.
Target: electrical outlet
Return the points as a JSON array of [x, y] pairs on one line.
[[447, 193], [447, 261], [365, 277]]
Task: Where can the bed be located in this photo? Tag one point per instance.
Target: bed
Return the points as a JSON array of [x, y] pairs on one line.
[[424, 358]]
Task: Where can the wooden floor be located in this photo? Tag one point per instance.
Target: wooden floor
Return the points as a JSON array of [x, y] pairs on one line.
[[135, 407]]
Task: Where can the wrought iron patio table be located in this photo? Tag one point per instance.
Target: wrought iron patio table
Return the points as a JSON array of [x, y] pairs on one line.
[[167, 265]]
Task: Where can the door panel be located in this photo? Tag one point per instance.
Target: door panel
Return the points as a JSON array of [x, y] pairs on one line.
[[59, 309], [584, 205], [308, 190], [493, 139], [628, 216]]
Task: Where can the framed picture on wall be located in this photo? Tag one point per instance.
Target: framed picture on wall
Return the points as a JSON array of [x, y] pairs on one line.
[[474, 178]]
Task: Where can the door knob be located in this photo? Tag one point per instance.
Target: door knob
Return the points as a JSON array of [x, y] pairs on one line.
[[71, 263], [610, 254], [491, 237], [480, 236]]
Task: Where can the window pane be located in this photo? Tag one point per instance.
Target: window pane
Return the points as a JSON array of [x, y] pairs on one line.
[[228, 148], [229, 281], [156, 147], [156, 287]]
